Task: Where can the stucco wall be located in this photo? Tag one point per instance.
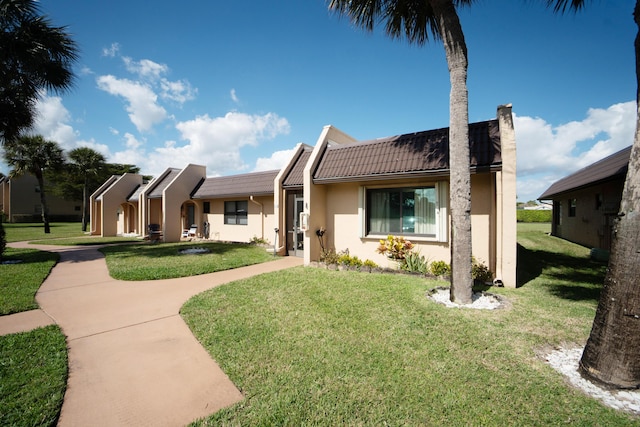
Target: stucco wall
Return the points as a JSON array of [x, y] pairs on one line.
[[344, 225], [591, 225], [260, 220]]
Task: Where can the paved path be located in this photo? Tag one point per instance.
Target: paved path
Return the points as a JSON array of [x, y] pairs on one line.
[[132, 359]]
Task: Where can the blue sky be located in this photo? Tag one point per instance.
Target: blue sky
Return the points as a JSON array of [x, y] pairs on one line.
[[236, 85]]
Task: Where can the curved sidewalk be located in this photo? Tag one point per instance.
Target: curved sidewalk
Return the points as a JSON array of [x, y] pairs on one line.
[[132, 359]]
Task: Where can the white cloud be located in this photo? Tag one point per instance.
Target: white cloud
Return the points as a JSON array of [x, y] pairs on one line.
[[278, 160], [144, 111], [145, 68], [547, 153], [211, 141], [111, 51], [234, 97]]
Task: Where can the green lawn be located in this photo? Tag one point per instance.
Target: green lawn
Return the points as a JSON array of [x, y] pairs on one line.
[[19, 282], [165, 261], [316, 347], [33, 369], [19, 232]]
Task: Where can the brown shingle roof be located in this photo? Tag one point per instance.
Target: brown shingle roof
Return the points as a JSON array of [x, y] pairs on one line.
[[158, 187], [403, 155], [611, 167], [135, 195], [295, 178], [250, 184]]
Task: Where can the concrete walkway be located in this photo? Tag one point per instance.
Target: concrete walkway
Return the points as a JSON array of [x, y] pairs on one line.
[[132, 359]]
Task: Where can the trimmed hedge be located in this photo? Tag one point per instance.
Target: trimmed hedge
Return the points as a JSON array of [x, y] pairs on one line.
[[523, 215]]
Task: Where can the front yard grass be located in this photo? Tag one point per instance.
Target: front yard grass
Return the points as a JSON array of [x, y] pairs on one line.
[[19, 282], [164, 260], [310, 346], [33, 369], [19, 232]]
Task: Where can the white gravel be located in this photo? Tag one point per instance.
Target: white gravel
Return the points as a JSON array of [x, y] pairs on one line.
[[565, 361], [480, 300]]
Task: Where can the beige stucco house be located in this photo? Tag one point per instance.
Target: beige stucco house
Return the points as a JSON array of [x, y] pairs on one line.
[[586, 202], [20, 202], [357, 191]]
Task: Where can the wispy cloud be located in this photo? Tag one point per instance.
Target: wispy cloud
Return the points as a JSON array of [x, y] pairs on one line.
[[234, 97], [111, 51]]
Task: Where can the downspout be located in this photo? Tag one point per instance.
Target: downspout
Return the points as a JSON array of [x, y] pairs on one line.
[[261, 215]]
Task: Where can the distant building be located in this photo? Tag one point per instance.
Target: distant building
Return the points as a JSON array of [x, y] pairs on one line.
[[585, 203], [20, 202]]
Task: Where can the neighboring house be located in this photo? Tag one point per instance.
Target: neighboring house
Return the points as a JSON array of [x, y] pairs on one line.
[[357, 191], [585, 203], [20, 202]]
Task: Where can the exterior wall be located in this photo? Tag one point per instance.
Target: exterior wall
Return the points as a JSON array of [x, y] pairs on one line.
[[22, 202], [114, 204], [174, 196], [261, 220], [315, 195], [344, 221], [593, 220], [506, 223]]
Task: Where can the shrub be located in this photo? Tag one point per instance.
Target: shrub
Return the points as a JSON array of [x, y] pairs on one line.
[[415, 263], [255, 240], [480, 272], [523, 215], [329, 256], [370, 264], [440, 268], [395, 247]]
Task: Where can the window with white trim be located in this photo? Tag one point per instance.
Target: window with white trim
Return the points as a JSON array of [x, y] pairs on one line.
[[407, 211]]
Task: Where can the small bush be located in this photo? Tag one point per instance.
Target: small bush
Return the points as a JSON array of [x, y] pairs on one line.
[[255, 240], [415, 263], [440, 268], [395, 247], [370, 264], [480, 272], [329, 256]]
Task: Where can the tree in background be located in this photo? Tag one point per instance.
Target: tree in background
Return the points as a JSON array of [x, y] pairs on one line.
[[85, 164], [612, 352], [35, 56], [34, 155], [418, 20]]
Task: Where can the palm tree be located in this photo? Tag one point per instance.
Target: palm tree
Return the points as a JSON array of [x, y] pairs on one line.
[[86, 163], [611, 353], [418, 20], [35, 56], [34, 155]]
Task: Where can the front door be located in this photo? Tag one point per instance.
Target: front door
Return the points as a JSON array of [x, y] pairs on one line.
[[295, 235], [191, 216]]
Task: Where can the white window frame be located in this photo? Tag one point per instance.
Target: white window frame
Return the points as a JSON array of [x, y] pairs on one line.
[[442, 212]]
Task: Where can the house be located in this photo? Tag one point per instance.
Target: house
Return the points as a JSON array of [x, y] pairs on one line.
[[357, 191], [586, 203], [20, 202]]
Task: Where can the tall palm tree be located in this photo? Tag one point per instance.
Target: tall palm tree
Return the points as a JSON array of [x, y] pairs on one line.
[[85, 164], [611, 352], [34, 56], [34, 155], [418, 21]]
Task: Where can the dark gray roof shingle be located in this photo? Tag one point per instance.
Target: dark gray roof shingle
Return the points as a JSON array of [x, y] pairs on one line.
[[610, 167], [295, 178], [420, 152], [158, 187], [250, 184]]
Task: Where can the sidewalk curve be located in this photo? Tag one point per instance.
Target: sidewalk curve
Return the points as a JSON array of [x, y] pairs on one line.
[[132, 359]]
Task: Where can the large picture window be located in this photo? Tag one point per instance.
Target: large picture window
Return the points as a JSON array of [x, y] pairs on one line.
[[402, 211], [236, 212]]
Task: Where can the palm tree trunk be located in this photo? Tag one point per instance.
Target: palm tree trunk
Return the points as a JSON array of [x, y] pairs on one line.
[[460, 181], [84, 205], [611, 353], [43, 203]]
